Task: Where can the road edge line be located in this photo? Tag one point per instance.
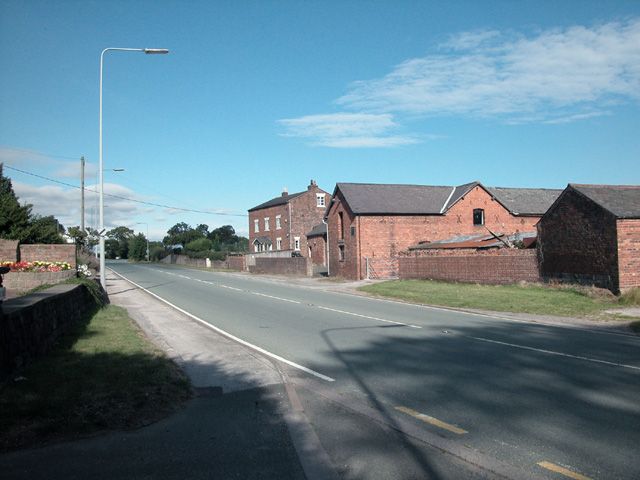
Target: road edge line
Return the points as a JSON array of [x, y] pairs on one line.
[[229, 335]]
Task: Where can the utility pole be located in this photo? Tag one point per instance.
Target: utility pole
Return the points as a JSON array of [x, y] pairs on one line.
[[82, 194]]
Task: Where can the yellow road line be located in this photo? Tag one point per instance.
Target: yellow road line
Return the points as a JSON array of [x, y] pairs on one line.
[[562, 471], [431, 420]]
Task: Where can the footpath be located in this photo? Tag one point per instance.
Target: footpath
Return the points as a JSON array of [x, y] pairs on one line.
[[237, 426]]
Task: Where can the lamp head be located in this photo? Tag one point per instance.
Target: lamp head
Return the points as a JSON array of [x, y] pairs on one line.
[[155, 51]]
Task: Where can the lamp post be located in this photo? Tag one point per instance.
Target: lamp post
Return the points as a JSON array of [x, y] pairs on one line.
[[148, 51], [145, 223]]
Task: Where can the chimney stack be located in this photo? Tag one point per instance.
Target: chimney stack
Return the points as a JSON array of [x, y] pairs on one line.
[[312, 184], [285, 192]]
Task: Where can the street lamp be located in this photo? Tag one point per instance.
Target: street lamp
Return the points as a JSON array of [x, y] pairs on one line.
[[145, 223], [148, 51]]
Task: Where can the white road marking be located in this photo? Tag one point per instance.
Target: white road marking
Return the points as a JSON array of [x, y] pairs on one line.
[[275, 298], [368, 317], [552, 352], [229, 335]]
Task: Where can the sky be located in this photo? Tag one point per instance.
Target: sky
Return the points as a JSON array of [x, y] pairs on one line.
[[257, 96]]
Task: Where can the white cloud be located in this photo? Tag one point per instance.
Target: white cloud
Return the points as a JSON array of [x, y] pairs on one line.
[[556, 73], [553, 76], [64, 203], [347, 130]]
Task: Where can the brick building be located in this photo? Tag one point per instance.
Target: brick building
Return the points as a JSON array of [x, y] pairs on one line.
[[591, 234], [282, 223], [377, 221]]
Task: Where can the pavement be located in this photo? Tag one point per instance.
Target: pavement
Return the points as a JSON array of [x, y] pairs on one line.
[[239, 425]]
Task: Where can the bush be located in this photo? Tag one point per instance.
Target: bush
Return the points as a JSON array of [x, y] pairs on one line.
[[210, 254], [199, 245], [157, 253], [632, 297]]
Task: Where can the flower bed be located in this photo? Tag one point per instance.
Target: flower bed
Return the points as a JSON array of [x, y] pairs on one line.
[[37, 266]]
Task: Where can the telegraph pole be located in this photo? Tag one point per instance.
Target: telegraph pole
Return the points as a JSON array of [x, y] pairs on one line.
[[82, 194]]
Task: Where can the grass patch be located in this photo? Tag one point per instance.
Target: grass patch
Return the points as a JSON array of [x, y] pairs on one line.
[[104, 375], [631, 297], [535, 299]]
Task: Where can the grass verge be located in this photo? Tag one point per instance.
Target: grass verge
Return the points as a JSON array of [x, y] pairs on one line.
[[103, 375], [534, 299]]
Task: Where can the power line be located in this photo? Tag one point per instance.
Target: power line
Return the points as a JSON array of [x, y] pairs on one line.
[[125, 198]]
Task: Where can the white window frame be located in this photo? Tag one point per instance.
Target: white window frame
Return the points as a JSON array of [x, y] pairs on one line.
[[279, 243], [278, 226], [296, 244], [320, 201], [256, 225], [266, 224]]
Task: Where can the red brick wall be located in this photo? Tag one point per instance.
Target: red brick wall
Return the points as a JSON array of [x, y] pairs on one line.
[[236, 263], [386, 236], [49, 253], [8, 250], [283, 232], [350, 267], [304, 213], [299, 266], [318, 247], [494, 266], [629, 253], [577, 242]]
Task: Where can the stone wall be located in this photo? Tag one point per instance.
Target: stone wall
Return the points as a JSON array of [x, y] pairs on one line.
[[64, 252], [20, 282], [296, 266], [495, 266], [30, 325], [8, 250], [236, 262]]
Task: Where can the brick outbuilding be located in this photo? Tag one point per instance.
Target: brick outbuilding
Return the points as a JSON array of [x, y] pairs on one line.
[[591, 235], [282, 223], [377, 221]]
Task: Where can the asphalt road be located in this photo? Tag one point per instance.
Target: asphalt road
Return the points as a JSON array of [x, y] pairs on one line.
[[524, 400]]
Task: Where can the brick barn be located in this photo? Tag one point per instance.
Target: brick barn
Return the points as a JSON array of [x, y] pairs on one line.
[[591, 235], [377, 221], [282, 223]]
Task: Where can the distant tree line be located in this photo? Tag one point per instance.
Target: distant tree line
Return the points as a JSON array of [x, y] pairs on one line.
[[199, 242]]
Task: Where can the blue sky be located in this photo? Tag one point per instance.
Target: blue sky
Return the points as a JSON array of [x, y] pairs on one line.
[[257, 96]]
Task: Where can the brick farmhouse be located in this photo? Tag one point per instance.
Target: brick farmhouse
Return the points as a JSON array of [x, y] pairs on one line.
[[378, 221], [281, 224], [591, 234]]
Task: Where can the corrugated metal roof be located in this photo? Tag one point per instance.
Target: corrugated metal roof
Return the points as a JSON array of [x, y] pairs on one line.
[[479, 241], [621, 200]]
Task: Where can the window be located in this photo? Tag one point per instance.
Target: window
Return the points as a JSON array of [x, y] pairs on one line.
[[278, 242], [340, 226], [270, 247], [278, 227], [255, 248], [256, 225], [341, 253], [320, 199], [296, 244], [478, 216], [266, 224], [353, 231]]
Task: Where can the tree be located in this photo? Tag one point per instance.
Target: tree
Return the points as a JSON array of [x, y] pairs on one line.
[[198, 245], [203, 230], [181, 234], [138, 247], [18, 223], [121, 235]]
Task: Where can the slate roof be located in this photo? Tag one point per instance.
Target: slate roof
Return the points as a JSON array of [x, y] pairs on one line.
[[525, 201], [318, 230], [281, 200], [394, 199], [621, 200]]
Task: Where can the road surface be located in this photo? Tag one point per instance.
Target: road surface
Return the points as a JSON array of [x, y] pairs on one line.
[[520, 399]]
